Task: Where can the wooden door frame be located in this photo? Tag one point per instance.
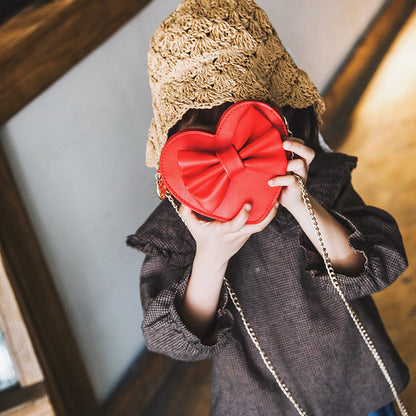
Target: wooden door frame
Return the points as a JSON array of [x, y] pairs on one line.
[[38, 46]]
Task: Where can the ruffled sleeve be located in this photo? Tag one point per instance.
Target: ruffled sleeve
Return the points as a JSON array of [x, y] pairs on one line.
[[372, 232], [163, 282]]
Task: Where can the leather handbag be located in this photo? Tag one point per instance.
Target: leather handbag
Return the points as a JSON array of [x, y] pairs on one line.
[[215, 174]]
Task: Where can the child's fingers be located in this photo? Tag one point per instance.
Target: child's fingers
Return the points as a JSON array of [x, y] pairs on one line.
[[293, 139], [184, 211], [237, 223], [255, 228], [285, 180], [299, 149], [188, 215], [297, 166]]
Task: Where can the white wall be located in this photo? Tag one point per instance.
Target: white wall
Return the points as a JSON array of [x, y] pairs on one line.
[[320, 33], [77, 152]]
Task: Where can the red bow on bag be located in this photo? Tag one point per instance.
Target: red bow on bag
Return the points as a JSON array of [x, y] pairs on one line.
[[216, 174]]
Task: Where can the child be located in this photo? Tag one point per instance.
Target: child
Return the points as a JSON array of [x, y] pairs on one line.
[[205, 56]]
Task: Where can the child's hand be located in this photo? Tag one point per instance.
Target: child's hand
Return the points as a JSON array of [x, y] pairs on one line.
[[291, 194], [218, 241]]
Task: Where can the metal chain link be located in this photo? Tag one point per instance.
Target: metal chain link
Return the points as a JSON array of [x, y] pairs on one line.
[[263, 355], [332, 275], [364, 334]]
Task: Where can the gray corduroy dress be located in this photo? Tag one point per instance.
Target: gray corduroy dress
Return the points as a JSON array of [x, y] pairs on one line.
[[298, 317]]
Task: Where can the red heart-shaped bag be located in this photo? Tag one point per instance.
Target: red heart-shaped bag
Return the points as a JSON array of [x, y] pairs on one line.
[[215, 174]]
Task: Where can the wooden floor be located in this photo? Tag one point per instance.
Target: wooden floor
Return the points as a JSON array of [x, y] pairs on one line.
[[39, 407], [383, 136]]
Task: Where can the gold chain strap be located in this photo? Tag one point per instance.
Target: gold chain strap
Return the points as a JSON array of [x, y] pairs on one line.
[[332, 275], [263, 355], [331, 272]]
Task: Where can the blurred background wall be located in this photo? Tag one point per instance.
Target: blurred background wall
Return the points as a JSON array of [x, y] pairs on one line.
[[77, 152]]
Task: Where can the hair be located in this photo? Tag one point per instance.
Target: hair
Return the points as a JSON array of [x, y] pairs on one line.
[[302, 122], [304, 125]]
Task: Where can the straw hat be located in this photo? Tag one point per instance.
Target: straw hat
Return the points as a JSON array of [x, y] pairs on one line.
[[208, 52]]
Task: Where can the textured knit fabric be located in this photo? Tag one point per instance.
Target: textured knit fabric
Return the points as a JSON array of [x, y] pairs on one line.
[[208, 52], [385, 411], [286, 296]]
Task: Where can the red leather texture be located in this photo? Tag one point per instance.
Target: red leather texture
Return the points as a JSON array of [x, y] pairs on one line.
[[215, 174]]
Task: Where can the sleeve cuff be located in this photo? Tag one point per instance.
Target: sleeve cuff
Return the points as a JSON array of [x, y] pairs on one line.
[[223, 320], [353, 286]]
